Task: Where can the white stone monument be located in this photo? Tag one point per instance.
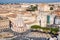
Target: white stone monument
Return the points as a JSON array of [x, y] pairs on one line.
[[18, 24]]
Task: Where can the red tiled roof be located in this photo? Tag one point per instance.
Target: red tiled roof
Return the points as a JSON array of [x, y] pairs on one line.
[[12, 15]]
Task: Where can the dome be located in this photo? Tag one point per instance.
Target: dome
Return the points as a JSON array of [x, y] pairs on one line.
[[18, 24]]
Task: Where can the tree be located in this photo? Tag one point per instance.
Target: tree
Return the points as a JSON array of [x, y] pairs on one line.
[[51, 8], [33, 8]]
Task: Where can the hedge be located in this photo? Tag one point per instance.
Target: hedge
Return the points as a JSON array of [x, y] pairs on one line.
[[52, 30]]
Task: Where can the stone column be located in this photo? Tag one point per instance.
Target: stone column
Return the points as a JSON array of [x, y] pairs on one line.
[[43, 20], [51, 19]]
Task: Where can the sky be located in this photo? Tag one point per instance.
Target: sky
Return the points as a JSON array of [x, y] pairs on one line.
[[28, 1]]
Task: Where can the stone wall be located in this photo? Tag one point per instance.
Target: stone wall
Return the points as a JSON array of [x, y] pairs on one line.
[[4, 23]]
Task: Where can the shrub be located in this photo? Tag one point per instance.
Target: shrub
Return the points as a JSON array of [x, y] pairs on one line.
[[54, 30], [35, 26], [33, 8], [46, 29]]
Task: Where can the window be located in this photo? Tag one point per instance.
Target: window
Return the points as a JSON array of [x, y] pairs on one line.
[[57, 21], [48, 19]]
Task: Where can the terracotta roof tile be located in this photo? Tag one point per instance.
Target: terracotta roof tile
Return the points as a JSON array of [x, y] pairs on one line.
[[12, 15], [57, 12]]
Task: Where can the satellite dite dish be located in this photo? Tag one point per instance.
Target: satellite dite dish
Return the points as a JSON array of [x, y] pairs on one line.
[[19, 25]]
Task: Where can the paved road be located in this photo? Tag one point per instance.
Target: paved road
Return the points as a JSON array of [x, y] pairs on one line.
[[21, 36], [29, 38]]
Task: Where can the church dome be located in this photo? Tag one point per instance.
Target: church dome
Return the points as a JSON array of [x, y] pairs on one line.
[[18, 24]]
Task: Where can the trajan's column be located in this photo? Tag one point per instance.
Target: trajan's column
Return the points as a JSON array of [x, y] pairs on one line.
[[18, 24]]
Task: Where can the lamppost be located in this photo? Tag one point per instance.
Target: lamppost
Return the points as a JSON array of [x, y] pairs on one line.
[[58, 37]]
